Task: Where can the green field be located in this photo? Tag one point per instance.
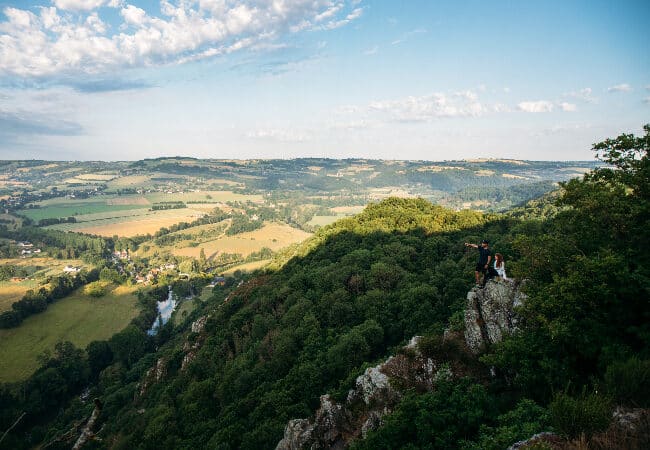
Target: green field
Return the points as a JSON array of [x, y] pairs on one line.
[[324, 220], [78, 318], [74, 208], [203, 196]]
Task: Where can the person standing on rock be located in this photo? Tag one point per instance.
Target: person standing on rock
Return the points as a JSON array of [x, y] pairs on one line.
[[500, 266], [484, 258]]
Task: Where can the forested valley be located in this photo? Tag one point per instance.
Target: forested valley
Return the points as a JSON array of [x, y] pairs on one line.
[[263, 351]]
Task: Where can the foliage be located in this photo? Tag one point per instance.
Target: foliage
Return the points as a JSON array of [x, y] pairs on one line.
[[628, 382], [96, 288], [524, 420], [440, 419], [584, 414]]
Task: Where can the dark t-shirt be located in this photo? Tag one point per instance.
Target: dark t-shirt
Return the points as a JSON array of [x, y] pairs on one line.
[[483, 255]]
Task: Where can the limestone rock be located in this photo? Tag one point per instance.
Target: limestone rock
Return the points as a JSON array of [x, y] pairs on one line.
[[489, 313], [376, 393]]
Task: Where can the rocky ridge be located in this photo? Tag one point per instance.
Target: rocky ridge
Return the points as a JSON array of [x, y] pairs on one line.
[[489, 315]]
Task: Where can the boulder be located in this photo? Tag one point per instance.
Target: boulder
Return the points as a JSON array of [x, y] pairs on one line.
[[490, 313]]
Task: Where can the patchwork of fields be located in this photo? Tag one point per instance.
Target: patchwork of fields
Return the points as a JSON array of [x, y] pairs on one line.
[[129, 215], [139, 221], [272, 235], [77, 318], [13, 291]]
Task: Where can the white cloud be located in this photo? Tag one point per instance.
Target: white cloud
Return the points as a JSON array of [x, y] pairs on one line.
[[620, 88], [53, 43], [371, 51], [429, 107], [539, 106], [568, 107], [585, 95], [79, 5], [278, 134]]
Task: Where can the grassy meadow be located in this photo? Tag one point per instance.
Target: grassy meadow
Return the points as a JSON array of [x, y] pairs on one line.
[[129, 215], [272, 235], [78, 318], [42, 267]]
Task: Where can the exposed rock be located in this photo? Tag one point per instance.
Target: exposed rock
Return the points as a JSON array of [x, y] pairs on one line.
[[535, 439], [376, 393], [489, 313], [153, 375], [191, 348], [199, 324]]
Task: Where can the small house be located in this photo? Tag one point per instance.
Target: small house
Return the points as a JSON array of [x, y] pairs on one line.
[[71, 269]]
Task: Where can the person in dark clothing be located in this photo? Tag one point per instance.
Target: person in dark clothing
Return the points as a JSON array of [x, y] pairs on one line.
[[484, 258]]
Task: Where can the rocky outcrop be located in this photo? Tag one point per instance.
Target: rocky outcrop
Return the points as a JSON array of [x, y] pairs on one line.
[[488, 317], [376, 393], [153, 375], [489, 313], [191, 348]]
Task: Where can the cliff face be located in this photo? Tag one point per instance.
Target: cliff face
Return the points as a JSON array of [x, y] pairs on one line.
[[489, 313], [375, 394], [488, 317]]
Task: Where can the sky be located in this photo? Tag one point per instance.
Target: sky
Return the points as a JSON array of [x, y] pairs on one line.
[[420, 80]]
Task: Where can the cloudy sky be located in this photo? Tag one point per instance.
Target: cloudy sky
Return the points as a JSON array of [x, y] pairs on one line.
[[437, 80]]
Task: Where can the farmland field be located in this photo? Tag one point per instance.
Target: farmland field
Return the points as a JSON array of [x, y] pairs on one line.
[[13, 291], [202, 196], [248, 267], [74, 208], [272, 235], [324, 220], [140, 221], [78, 318]]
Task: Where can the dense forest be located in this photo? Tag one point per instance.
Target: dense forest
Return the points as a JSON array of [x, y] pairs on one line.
[[353, 295]]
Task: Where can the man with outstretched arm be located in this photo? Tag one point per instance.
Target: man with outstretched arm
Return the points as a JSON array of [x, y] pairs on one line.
[[484, 258]]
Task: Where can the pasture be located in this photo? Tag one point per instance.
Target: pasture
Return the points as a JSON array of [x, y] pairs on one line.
[[43, 267], [77, 318], [140, 221], [12, 292], [129, 215], [70, 207], [248, 267], [321, 221], [272, 235], [202, 196]]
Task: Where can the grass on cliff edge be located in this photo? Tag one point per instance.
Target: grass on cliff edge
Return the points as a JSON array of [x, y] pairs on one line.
[[77, 318]]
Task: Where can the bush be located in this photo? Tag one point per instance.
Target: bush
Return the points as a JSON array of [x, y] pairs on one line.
[[585, 414], [525, 420], [628, 382], [96, 288]]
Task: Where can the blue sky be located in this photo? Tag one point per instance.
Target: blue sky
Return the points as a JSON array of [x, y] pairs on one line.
[[129, 79]]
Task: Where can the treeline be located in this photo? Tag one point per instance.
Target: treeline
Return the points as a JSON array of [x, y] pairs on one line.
[[36, 301], [8, 271], [241, 223], [56, 221], [167, 205], [503, 197], [60, 244]]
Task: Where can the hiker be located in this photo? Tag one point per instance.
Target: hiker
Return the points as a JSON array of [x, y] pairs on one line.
[[484, 258], [500, 266]]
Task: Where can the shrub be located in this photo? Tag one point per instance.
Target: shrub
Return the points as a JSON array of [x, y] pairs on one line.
[[96, 288], [628, 382], [525, 420], [585, 414]]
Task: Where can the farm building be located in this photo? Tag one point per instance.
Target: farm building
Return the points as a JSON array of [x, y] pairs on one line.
[[71, 269]]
